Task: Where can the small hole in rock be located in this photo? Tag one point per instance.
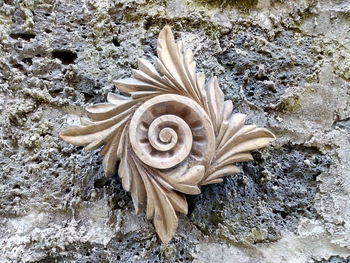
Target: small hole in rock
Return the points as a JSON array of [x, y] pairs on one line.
[[88, 96], [28, 61], [19, 66], [116, 42], [25, 36], [283, 214], [100, 183], [66, 56], [262, 78]]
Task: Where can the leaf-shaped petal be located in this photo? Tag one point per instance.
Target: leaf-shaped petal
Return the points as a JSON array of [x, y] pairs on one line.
[[131, 85], [116, 99], [178, 201], [159, 205], [229, 128], [216, 103], [112, 153], [187, 188], [227, 111], [103, 111], [227, 170], [239, 157], [138, 187], [186, 182], [193, 175], [233, 139], [144, 95], [125, 171], [140, 75], [176, 65], [95, 133], [165, 219], [80, 136], [249, 141]]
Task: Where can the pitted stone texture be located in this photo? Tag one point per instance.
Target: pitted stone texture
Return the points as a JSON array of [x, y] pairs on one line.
[[265, 199], [334, 259], [284, 63], [256, 62]]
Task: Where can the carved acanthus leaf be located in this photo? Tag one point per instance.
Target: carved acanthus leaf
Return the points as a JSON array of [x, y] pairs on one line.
[[170, 134]]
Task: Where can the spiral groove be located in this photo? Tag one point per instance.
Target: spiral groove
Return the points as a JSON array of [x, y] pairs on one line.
[[167, 129], [164, 138]]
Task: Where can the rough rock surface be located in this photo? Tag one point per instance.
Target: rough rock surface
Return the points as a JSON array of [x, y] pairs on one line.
[[284, 63]]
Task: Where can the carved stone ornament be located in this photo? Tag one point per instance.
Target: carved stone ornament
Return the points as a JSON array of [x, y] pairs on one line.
[[170, 133]]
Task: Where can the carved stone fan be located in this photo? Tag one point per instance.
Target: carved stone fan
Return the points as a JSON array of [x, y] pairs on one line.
[[169, 132]]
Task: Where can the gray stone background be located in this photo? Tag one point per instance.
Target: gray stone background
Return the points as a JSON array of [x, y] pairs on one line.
[[284, 63]]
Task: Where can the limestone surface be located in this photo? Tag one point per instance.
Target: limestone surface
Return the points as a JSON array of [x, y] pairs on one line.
[[286, 64]]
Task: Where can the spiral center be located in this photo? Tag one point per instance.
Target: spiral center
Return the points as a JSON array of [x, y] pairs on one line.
[[161, 133], [167, 134]]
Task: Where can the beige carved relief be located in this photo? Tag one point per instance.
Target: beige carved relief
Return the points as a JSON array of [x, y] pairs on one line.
[[170, 133]]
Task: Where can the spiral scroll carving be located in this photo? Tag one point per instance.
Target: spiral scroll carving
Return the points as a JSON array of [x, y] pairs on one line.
[[168, 135], [169, 128]]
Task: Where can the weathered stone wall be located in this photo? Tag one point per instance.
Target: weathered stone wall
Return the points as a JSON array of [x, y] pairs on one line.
[[284, 63]]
